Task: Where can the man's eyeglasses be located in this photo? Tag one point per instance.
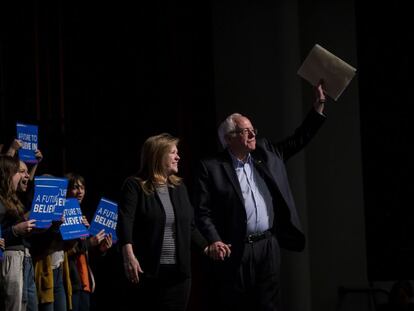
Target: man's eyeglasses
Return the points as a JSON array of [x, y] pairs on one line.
[[246, 131]]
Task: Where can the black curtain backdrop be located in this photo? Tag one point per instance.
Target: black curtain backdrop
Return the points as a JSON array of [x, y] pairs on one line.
[[99, 78], [385, 53]]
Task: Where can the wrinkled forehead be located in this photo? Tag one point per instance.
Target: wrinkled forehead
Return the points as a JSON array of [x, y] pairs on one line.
[[243, 122]]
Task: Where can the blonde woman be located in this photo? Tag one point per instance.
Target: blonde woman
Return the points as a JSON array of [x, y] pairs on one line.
[[156, 228]]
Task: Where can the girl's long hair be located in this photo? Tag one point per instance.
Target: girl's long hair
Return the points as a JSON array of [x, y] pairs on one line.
[[9, 166]]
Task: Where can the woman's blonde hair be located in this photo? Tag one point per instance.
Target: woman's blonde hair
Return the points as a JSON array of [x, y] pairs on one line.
[[153, 152]]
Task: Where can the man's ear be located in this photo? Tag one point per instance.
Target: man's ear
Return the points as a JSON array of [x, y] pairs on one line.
[[228, 139]]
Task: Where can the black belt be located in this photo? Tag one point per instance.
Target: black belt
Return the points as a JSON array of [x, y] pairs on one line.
[[251, 238]]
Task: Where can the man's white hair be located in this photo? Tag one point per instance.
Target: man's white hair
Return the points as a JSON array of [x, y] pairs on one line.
[[227, 127]]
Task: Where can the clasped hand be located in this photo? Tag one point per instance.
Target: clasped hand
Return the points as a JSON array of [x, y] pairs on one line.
[[218, 250]]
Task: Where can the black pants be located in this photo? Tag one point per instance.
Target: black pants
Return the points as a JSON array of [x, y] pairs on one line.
[[170, 291], [255, 285]]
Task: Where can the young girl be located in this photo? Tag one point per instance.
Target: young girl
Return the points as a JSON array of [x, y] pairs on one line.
[[17, 287]]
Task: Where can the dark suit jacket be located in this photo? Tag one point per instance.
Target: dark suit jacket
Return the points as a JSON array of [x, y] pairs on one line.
[[220, 211], [141, 222]]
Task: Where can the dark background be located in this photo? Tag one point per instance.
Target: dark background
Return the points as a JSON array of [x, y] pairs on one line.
[[385, 57], [100, 78]]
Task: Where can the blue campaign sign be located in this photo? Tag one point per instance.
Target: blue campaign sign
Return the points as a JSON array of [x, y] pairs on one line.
[[106, 218], [45, 199], [62, 185], [27, 134], [73, 227]]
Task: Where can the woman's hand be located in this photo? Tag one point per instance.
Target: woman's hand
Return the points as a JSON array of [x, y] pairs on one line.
[[132, 267], [24, 227], [38, 156]]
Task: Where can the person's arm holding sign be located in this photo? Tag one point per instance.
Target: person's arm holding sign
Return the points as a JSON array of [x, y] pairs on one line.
[[101, 240], [106, 243], [14, 147], [39, 158], [24, 228]]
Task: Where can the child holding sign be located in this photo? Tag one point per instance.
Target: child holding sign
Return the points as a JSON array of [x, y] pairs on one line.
[[27, 173], [83, 283]]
